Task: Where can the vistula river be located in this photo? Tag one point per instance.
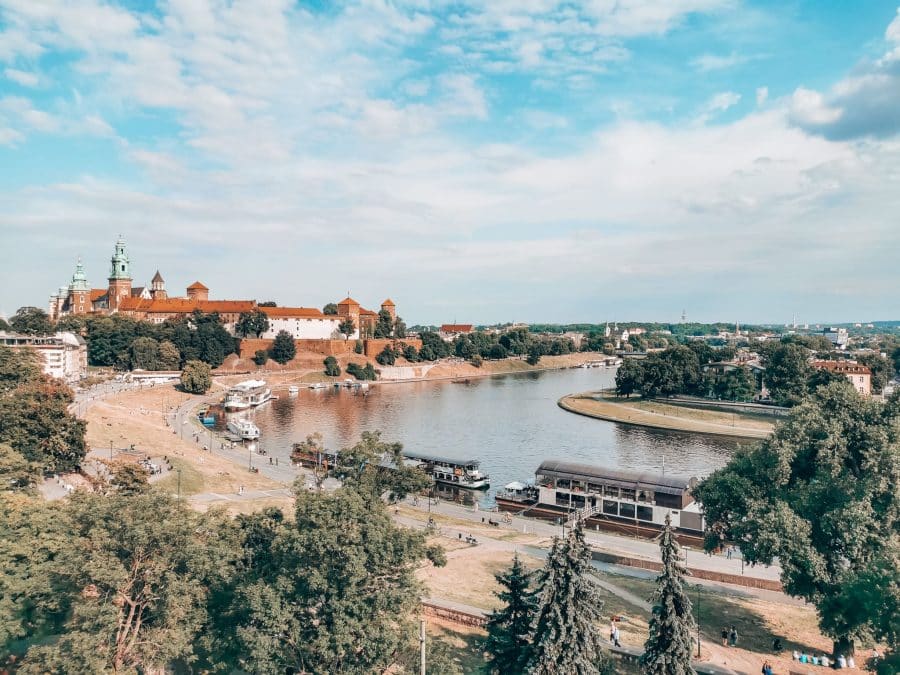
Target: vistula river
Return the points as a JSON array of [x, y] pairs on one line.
[[509, 422]]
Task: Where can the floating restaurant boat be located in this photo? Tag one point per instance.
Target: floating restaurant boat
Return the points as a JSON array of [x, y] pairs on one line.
[[245, 429], [630, 502], [247, 395], [460, 472]]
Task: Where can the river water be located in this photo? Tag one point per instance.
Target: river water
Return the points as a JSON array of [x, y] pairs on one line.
[[509, 422]]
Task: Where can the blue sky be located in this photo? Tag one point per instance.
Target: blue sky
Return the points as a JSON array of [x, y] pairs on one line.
[[517, 160]]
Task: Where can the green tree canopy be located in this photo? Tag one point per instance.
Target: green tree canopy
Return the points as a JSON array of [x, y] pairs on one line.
[[509, 628], [261, 357], [332, 368], [565, 636], [169, 356], [629, 377], [196, 378], [130, 479], [667, 650], [384, 325], [787, 373], [330, 309], [820, 495], [18, 366], [144, 354], [387, 356], [346, 327], [255, 323], [283, 348], [882, 370], [31, 321]]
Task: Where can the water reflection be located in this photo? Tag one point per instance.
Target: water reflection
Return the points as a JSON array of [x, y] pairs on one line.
[[511, 423]]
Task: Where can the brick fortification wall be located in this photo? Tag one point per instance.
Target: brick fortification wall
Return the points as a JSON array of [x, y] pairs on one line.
[[249, 347], [375, 346]]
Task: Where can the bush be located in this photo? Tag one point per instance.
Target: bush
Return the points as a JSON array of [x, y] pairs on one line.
[[196, 378], [332, 369], [410, 353], [261, 357], [387, 357], [366, 372], [283, 349], [476, 361], [358, 347]]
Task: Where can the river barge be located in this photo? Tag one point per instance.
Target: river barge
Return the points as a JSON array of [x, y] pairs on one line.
[[243, 429], [629, 502], [247, 394], [464, 473]]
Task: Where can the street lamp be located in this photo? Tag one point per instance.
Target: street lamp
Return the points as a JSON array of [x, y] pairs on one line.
[[698, 621], [110, 449], [178, 471]]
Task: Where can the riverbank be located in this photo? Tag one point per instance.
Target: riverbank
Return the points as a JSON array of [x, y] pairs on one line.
[[656, 415]]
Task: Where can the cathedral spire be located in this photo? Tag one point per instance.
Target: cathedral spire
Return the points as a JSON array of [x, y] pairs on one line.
[[119, 264]]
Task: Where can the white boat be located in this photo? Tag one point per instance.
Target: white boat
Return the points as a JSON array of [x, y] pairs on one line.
[[243, 428], [247, 394], [459, 472], [318, 385], [293, 390]]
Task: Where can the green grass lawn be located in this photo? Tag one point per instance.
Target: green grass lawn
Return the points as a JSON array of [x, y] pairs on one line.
[[192, 481]]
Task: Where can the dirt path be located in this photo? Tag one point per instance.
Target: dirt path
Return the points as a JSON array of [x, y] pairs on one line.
[[663, 417]]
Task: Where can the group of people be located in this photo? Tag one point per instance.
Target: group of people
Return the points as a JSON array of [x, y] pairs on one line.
[[729, 637]]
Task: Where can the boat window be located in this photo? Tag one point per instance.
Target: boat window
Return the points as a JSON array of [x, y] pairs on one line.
[[626, 510], [644, 496], [562, 498], [645, 513], [669, 501], [578, 501], [563, 483], [627, 493], [610, 491], [610, 507], [595, 488]]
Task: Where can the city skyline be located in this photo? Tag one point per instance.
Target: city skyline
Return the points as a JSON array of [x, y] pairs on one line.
[[535, 162]]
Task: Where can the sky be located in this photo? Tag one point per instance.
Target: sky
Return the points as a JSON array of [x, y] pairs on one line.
[[511, 160]]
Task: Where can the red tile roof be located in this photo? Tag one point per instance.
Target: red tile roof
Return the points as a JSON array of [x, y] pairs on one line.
[[197, 286], [184, 305], [291, 312], [388, 303], [842, 367], [456, 328], [348, 301], [97, 293]]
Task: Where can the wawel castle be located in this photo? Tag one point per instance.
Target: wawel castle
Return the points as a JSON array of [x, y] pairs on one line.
[[153, 303]]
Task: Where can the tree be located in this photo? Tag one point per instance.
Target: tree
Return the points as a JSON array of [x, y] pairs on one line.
[[134, 580], [564, 637], [18, 366], [255, 322], [196, 378], [463, 347], [534, 354], [332, 369], [399, 328], [387, 356], [261, 357], [410, 353], [4, 325], [70, 323], [735, 385], [35, 420], [169, 356], [508, 629], [433, 346], [667, 650], [820, 495], [330, 309], [17, 473], [787, 371], [337, 592], [31, 321], [498, 351], [369, 372], [629, 377], [660, 377], [359, 347], [130, 479], [384, 325], [144, 354], [346, 327], [284, 348]]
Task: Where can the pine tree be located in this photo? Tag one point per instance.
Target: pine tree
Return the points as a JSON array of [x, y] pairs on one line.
[[509, 628], [565, 633], [668, 649]]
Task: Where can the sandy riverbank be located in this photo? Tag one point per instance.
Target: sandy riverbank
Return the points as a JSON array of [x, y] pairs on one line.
[[661, 416]]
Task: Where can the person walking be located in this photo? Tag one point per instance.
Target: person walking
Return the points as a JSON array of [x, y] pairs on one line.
[[724, 636], [767, 668], [616, 636], [733, 637]]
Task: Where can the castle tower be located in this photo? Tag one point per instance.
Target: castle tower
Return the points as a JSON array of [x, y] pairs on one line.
[[79, 291], [119, 276], [158, 287], [197, 291], [391, 308]]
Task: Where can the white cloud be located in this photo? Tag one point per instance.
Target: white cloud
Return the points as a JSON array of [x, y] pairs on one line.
[[808, 107], [762, 95], [892, 34], [22, 77], [709, 62]]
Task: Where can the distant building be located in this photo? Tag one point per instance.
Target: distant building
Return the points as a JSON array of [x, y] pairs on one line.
[[302, 323], [450, 331], [836, 336], [64, 355], [576, 338], [860, 376]]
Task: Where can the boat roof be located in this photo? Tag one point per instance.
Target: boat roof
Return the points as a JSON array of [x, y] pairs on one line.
[[425, 457], [515, 485], [673, 485], [249, 384]]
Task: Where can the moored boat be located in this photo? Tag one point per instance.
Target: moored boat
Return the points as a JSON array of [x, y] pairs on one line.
[[247, 395], [460, 472], [293, 390], [634, 503], [243, 428]]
